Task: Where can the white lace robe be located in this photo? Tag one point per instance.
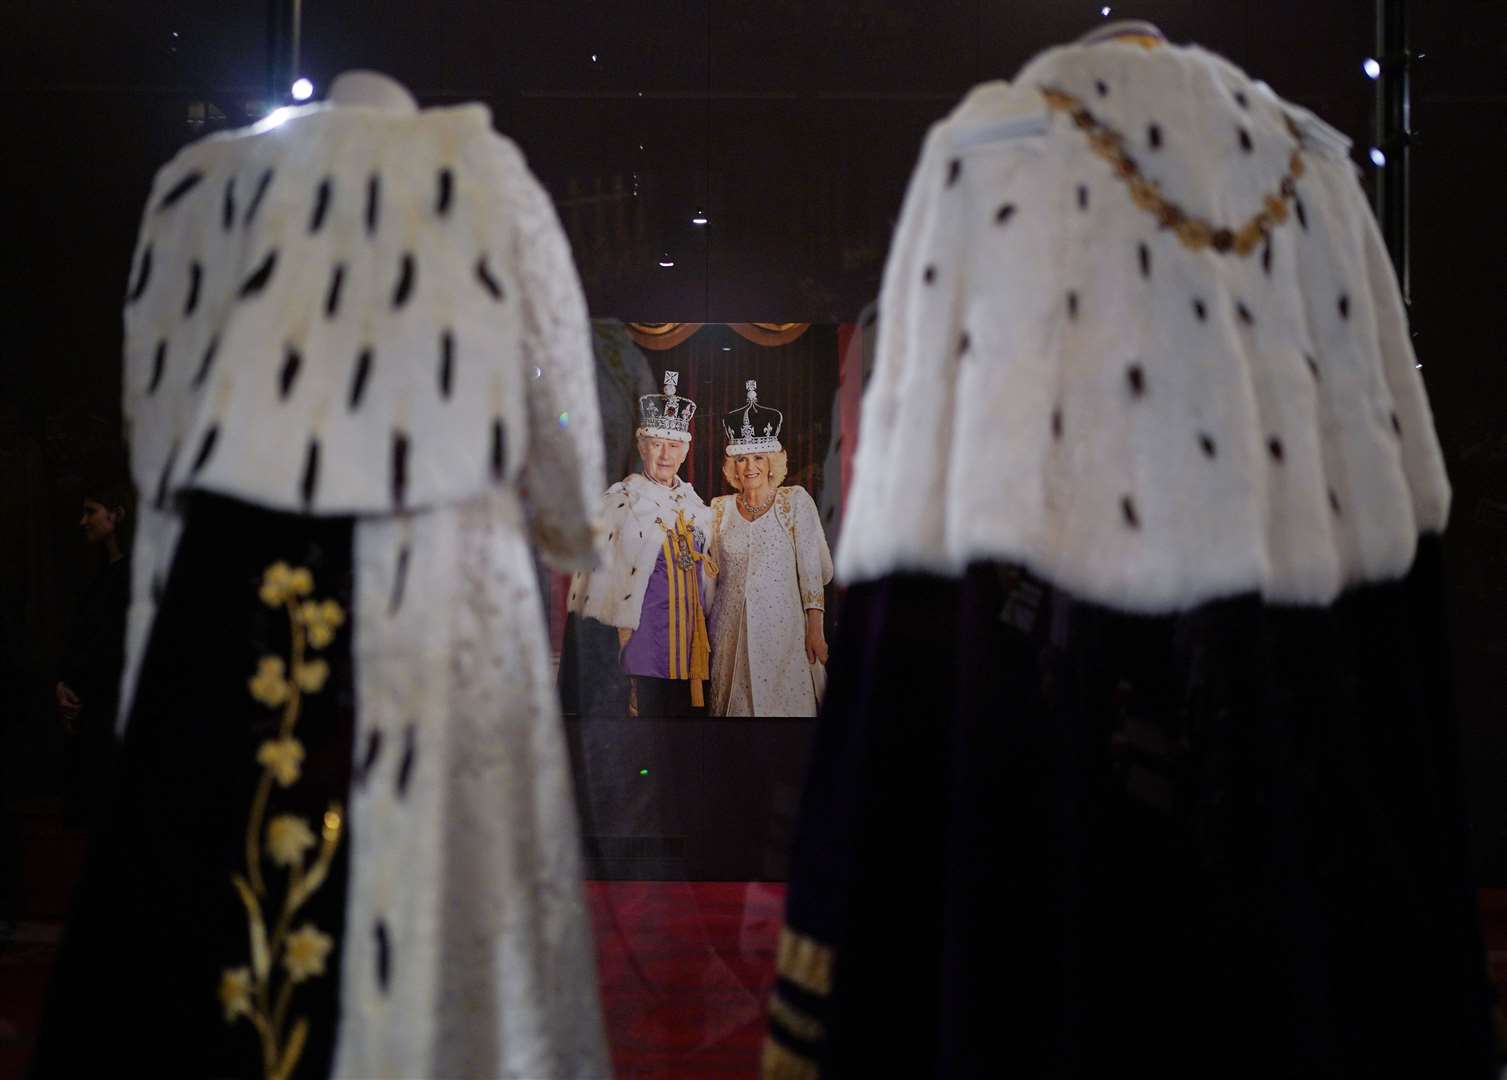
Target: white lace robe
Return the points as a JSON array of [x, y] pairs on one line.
[[375, 312], [770, 572]]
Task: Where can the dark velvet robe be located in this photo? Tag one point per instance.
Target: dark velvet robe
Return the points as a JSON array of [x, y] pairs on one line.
[[1042, 838]]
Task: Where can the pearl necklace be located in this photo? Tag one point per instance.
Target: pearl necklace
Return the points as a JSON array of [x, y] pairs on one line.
[[750, 510]]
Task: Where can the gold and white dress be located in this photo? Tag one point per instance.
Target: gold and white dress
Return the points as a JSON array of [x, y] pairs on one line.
[[771, 571]]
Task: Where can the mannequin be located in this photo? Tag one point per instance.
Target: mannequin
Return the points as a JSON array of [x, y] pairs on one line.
[[372, 90], [1151, 801], [362, 901]]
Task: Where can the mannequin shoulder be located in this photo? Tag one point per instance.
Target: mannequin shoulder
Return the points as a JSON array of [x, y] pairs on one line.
[[995, 112]]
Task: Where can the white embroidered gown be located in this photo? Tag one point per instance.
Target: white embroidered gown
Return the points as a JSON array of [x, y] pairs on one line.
[[770, 571]]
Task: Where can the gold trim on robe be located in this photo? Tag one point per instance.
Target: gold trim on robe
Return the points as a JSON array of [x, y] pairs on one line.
[[805, 962], [803, 1027], [779, 1062]]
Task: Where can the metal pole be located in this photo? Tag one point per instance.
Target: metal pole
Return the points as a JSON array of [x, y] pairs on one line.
[[1393, 127], [295, 68], [283, 33]]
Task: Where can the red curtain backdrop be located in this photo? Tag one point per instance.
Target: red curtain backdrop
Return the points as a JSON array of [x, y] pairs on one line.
[[660, 336]]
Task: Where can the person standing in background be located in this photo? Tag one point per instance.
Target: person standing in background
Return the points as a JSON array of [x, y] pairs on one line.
[[655, 583], [88, 687], [769, 646]]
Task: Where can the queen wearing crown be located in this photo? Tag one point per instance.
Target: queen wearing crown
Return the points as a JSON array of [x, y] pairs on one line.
[[654, 583], [768, 645]]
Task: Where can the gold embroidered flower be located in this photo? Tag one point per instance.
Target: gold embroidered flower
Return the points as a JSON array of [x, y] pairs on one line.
[[269, 685], [284, 757], [305, 952], [281, 583], [321, 620], [235, 992], [311, 677], [288, 837]]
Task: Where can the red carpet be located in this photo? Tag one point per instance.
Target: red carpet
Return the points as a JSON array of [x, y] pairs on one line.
[[685, 968]]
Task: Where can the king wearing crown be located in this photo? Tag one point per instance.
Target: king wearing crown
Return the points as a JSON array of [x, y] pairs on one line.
[[654, 586]]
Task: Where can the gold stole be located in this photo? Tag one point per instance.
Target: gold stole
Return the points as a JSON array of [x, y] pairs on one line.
[[689, 647]]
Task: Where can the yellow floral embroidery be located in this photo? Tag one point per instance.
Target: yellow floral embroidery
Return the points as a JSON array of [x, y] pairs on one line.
[[254, 992], [306, 950], [281, 583], [321, 621], [269, 685], [288, 837], [311, 677], [235, 992], [283, 758]]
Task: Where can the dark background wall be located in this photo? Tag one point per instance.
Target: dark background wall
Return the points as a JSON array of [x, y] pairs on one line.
[[793, 124]]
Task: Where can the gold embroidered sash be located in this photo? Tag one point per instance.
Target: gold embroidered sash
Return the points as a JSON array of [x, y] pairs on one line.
[[689, 646]]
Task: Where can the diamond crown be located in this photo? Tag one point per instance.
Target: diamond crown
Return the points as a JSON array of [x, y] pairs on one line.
[[753, 428], [666, 415]]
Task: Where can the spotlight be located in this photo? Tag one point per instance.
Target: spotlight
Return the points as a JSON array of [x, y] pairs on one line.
[[593, 58], [1378, 157], [1372, 68], [303, 90], [1104, 11], [699, 218], [665, 261]]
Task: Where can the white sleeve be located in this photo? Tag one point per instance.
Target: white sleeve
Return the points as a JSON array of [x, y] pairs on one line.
[[813, 561]]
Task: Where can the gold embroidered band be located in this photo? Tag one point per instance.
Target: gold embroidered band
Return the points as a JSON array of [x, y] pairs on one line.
[[805, 962], [779, 1062], [803, 1027], [1193, 232]]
